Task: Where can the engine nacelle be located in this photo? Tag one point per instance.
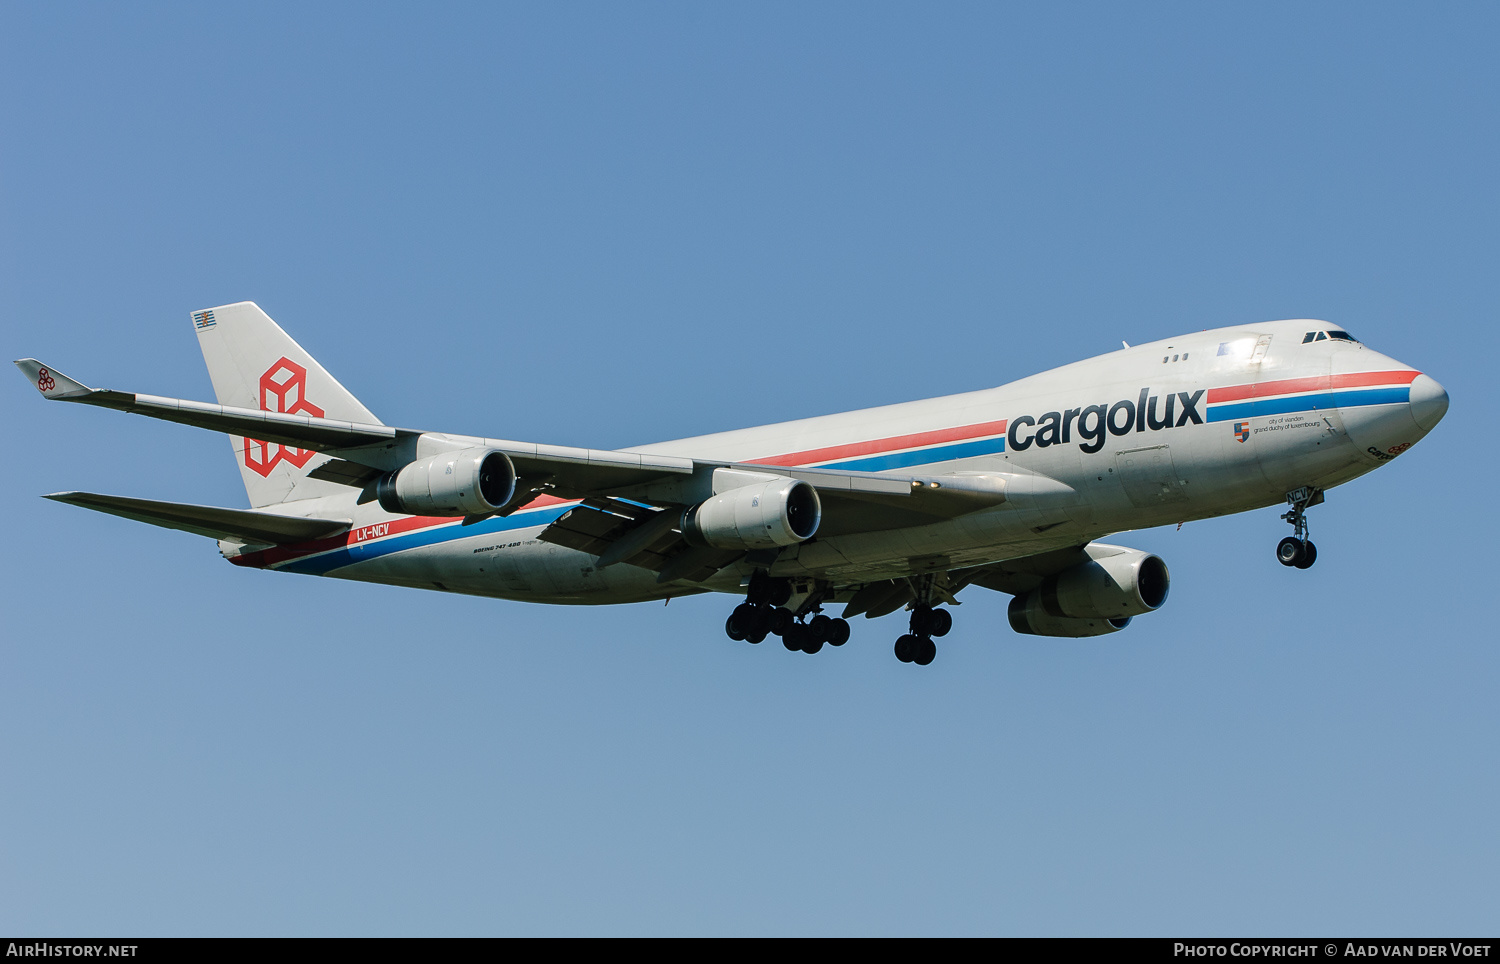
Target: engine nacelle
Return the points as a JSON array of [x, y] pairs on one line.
[[1027, 616], [1094, 597], [1114, 582], [763, 515], [468, 482]]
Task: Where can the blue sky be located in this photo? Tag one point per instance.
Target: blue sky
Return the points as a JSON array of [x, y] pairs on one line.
[[611, 224]]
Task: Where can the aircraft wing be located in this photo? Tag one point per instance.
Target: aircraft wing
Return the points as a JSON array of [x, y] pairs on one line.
[[1017, 576], [363, 450], [1014, 576], [630, 500], [370, 448]]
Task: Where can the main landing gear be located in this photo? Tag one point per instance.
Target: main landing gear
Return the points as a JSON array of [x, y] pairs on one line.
[[917, 646], [1297, 549], [762, 614]]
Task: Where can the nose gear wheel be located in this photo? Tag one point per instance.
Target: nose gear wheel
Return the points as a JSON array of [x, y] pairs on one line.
[[1297, 549]]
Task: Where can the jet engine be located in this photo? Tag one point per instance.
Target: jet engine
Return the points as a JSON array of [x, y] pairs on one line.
[[474, 481], [764, 515], [1027, 616], [1095, 597]]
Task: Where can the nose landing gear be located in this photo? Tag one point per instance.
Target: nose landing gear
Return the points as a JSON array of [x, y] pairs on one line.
[[1297, 549]]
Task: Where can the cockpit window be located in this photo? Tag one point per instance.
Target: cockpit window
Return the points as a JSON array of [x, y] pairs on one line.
[[1325, 335]]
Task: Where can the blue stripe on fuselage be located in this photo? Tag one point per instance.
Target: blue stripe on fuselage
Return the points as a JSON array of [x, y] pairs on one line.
[[1305, 403], [452, 532]]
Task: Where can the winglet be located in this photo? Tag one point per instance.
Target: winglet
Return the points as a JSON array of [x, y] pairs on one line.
[[49, 381]]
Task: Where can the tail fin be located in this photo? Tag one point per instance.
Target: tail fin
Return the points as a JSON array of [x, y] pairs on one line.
[[254, 364]]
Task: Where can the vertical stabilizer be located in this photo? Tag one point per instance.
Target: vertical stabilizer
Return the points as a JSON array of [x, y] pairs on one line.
[[254, 364]]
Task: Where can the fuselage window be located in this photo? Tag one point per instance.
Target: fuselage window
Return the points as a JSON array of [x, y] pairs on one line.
[[1342, 336]]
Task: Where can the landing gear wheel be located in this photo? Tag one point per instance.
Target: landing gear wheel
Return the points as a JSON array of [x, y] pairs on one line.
[[926, 621], [820, 628], [838, 633], [812, 646], [740, 622], [926, 651], [1290, 552], [906, 647], [760, 622], [780, 620], [795, 637], [1309, 556]]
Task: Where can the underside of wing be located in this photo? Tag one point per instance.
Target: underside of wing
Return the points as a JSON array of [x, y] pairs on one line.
[[619, 530], [1018, 576]]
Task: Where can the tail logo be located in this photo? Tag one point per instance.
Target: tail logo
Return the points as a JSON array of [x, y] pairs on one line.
[[283, 388], [45, 381]]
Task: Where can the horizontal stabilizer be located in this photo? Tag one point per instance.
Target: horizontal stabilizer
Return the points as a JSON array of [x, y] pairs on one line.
[[239, 525], [50, 382]]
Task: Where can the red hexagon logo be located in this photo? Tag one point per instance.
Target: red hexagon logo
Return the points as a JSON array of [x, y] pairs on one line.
[[283, 388]]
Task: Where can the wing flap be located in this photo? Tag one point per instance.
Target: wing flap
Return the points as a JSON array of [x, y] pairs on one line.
[[239, 525]]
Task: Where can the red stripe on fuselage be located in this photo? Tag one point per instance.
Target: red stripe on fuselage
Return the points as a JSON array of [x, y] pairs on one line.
[[270, 557], [1317, 383], [380, 530], [880, 446]]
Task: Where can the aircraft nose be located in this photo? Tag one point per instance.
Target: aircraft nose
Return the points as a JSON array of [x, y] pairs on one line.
[[1429, 402]]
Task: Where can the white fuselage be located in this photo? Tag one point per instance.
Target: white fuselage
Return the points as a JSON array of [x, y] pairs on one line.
[[1203, 425]]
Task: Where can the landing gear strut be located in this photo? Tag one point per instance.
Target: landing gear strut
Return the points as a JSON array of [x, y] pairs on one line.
[[926, 622], [762, 614], [1297, 549]]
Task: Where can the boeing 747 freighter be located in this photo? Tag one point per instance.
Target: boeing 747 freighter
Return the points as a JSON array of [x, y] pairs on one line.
[[898, 507]]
